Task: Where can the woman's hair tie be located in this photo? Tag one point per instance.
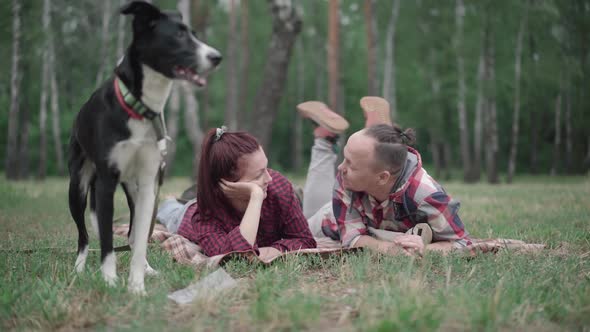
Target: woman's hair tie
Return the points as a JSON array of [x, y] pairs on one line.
[[219, 132]]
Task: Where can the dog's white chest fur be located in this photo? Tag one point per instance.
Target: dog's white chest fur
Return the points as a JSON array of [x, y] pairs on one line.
[[137, 157]]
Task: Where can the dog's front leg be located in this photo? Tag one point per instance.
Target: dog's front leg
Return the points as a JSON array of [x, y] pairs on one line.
[[131, 192], [105, 193], [139, 235]]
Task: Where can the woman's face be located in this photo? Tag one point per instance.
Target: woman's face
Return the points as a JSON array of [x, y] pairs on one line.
[[253, 168]]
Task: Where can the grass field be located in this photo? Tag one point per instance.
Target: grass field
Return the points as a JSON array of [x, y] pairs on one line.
[[544, 291]]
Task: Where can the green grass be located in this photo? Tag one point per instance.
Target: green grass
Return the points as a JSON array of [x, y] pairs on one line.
[[543, 291]]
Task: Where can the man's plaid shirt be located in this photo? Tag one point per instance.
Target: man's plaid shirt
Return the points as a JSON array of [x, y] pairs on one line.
[[282, 224], [419, 199]]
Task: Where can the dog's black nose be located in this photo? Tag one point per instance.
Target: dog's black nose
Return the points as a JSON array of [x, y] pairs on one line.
[[215, 58]]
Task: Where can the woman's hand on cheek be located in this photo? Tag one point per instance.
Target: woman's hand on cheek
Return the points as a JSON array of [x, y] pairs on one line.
[[241, 191]]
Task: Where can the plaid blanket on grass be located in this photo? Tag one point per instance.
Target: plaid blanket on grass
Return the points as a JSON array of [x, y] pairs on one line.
[[186, 252]]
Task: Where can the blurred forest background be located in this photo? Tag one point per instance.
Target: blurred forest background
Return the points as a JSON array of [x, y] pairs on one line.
[[493, 88]]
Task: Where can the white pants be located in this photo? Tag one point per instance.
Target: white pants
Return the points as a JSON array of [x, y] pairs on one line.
[[317, 193]]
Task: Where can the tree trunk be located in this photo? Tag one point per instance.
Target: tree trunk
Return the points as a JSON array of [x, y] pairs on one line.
[[333, 53], [462, 112], [371, 34], [42, 170], [104, 49], [244, 64], [435, 153], [434, 130], [516, 118], [191, 125], [534, 117], [191, 106], [172, 127], [491, 117], [201, 21], [11, 160], [121, 33], [568, 133], [286, 25], [56, 124], [231, 75], [478, 121], [388, 91], [557, 137], [298, 130], [320, 45], [23, 146]]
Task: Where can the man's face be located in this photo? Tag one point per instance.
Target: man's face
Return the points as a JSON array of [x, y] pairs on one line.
[[357, 168], [253, 168]]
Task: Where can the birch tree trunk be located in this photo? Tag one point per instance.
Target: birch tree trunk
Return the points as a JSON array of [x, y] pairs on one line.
[[371, 35], [172, 127], [286, 25], [232, 72], [23, 145], [388, 91], [491, 123], [478, 120], [42, 170], [298, 130], [192, 126], [56, 123], [557, 137], [201, 21], [516, 114], [11, 160], [121, 33], [534, 117], [104, 49], [244, 64], [462, 112], [191, 107], [568, 133], [333, 53]]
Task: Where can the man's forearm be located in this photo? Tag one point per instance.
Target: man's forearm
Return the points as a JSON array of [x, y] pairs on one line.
[[442, 246], [385, 247]]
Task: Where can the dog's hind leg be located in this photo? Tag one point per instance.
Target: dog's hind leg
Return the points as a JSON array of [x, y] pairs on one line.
[[105, 186], [131, 195], [81, 171], [77, 202]]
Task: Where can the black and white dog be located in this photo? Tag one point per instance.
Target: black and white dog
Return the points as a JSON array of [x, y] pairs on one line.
[[118, 134]]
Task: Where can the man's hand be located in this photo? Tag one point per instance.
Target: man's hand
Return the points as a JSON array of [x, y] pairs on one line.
[[409, 245], [268, 253], [240, 191], [412, 244]]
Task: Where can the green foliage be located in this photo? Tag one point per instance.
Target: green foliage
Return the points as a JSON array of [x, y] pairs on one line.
[[555, 48]]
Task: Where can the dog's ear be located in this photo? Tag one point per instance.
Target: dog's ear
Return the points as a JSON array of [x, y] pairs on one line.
[[141, 8]]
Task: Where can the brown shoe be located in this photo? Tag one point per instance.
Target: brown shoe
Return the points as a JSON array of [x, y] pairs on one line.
[[323, 116], [376, 110]]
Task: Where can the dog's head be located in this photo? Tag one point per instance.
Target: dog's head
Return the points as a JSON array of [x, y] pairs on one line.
[[164, 43]]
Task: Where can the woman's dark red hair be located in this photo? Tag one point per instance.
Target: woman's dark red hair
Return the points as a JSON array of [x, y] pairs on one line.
[[219, 160]]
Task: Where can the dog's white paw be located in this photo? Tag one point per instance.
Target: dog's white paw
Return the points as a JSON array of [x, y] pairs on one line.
[[136, 288], [110, 280], [81, 260], [150, 271]]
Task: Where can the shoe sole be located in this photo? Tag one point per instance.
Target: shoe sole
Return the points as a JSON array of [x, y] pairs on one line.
[[314, 111], [377, 105]]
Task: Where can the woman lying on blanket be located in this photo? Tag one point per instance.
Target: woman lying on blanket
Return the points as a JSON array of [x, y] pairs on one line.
[[241, 204]]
